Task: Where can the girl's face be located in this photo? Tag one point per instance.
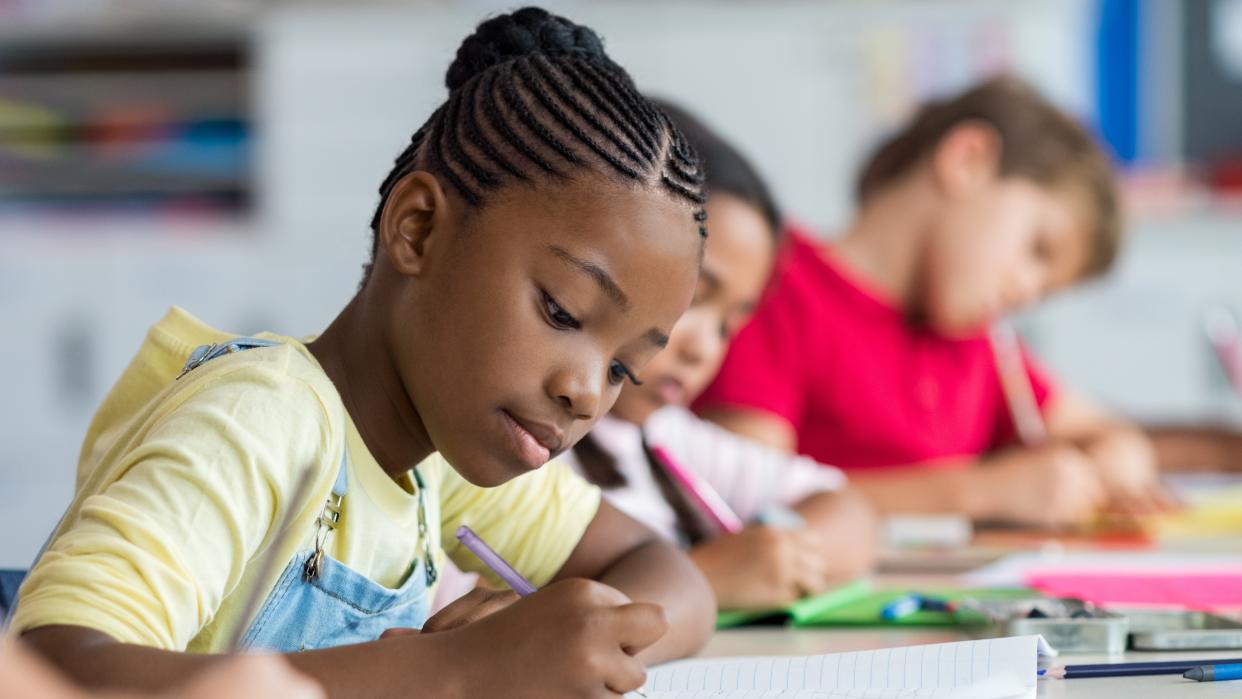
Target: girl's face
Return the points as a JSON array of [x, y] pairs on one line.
[[996, 248], [530, 313], [736, 264]]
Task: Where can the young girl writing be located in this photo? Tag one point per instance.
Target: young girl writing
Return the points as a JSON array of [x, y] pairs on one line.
[[871, 352], [533, 247], [760, 566]]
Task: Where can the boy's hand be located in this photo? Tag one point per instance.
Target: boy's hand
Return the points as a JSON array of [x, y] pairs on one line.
[[1130, 473], [763, 566], [573, 638], [1054, 485]]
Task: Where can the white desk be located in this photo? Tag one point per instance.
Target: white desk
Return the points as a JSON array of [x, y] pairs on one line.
[[777, 641]]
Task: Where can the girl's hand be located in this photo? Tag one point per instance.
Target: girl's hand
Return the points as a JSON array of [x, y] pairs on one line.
[[762, 567], [573, 638], [1055, 485]]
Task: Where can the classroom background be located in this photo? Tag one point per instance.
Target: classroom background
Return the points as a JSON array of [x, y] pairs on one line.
[[224, 156]]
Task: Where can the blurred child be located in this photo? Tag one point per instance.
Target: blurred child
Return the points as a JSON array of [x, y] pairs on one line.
[[533, 247], [871, 351], [761, 565]]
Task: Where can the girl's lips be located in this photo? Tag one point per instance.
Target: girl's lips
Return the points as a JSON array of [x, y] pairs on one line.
[[670, 390], [534, 451]]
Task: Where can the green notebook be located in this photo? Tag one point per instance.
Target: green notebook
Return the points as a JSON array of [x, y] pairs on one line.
[[866, 610], [799, 612], [857, 604]]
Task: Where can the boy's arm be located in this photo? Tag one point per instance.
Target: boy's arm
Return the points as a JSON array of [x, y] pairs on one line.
[[1188, 448], [626, 555]]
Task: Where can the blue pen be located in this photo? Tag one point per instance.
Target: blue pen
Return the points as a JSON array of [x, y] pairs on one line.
[[901, 607], [935, 604], [1214, 673]]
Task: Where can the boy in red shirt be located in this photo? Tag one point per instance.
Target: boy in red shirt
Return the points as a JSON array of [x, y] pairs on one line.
[[871, 352]]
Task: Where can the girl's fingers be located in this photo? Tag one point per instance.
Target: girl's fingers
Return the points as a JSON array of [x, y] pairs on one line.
[[638, 625], [625, 674], [399, 631]]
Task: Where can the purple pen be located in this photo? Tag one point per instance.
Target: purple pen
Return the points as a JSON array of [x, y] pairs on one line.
[[493, 560]]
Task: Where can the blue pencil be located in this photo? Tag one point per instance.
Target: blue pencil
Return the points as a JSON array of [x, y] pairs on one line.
[[1215, 673], [1168, 667]]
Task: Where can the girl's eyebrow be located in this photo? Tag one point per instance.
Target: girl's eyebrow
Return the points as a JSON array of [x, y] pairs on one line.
[[598, 274], [605, 281]]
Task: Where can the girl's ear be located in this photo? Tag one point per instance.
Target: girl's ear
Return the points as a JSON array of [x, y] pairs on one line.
[[967, 158], [416, 208]]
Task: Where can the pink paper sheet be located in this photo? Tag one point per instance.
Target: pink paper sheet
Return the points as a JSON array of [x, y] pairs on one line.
[[1205, 590]]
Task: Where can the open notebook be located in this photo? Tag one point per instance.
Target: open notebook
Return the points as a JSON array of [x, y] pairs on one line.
[[997, 668]]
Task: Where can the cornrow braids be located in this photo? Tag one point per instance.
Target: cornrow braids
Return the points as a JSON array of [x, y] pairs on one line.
[[533, 95]]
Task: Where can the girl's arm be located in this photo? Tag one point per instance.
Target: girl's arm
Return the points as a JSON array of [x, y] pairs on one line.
[[574, 638], [620, 552], [24, 676]]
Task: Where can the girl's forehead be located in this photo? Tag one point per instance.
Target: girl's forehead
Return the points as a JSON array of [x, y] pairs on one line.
[[598, 212]]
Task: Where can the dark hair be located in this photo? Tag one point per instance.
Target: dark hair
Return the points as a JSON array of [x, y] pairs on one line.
[[726, 169], [1038, 142], [533, 95], [727, 172]]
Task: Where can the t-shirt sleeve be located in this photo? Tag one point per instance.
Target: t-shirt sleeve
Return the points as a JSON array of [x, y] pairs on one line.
[[750, 476], [534, 521], [765, 367], [149, 558], [1043, 387]]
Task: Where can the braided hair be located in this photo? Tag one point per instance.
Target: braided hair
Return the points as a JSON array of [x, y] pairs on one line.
[[727, 171], [534, 96]]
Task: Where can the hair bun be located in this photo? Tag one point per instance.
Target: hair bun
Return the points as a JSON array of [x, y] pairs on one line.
[[526, 31]]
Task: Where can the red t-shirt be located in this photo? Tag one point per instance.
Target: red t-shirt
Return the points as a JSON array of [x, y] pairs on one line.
[[861, 386]]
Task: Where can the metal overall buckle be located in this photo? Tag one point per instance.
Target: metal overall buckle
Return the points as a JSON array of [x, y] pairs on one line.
[[327, 522]]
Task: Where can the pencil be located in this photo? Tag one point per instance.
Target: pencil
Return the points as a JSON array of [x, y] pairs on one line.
[[699, 490], [1016, 385], [1168, 667]]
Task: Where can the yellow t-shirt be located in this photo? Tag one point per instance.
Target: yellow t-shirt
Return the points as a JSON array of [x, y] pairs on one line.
[[181, 485]]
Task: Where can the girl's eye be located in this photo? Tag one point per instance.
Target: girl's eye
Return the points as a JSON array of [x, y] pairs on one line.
[[557, 316], [618, 372]]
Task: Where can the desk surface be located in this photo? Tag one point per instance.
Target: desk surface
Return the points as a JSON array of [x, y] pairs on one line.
[[778, 641]]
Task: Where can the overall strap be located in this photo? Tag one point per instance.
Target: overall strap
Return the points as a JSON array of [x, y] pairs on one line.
[[205, 353]]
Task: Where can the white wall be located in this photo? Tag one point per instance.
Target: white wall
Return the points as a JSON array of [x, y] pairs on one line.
[[801, 85]]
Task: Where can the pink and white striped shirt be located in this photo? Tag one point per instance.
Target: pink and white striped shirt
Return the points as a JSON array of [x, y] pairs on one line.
[[750, 476]]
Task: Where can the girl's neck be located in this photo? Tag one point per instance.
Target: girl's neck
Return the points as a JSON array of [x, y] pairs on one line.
[[354, 354], [884, 244]]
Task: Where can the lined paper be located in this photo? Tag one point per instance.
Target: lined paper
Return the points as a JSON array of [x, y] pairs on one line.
[[987, 669]]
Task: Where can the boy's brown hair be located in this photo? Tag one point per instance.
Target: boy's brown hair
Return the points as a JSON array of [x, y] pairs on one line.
[[1038, 142]]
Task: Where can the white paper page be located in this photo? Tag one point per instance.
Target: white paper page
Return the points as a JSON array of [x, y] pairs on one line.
[[1002, 667]]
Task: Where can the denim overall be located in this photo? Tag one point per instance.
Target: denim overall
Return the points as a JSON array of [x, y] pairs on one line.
[[319, 602]]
